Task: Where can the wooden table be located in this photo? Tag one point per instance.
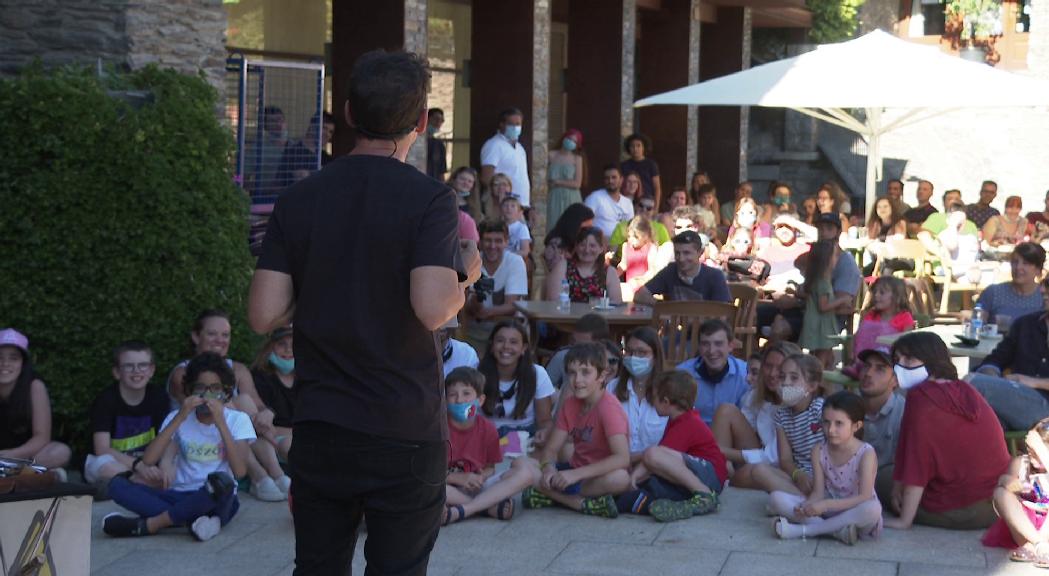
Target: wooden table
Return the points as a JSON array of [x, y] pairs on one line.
[[620, 319], [947, 333]]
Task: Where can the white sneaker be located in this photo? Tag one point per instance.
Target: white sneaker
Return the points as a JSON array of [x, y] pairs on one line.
[[60, 475], [206, 527], [267, 491], [283, 484]]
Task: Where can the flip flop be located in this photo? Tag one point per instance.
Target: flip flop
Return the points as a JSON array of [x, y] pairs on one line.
[[503, 510], [450, 518]]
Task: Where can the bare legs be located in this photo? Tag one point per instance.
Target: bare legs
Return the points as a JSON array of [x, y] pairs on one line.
[[523, 473]]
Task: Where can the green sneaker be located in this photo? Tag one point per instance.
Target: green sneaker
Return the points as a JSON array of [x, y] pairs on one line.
[[532, 498], [603, 506], [670, 510]]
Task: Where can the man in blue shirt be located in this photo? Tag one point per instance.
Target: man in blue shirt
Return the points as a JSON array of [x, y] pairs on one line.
[[720, 377]]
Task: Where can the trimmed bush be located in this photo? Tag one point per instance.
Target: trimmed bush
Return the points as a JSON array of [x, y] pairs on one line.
[[119, 219]]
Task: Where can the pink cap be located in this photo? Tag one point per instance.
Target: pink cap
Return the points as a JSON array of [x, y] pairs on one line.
[[12, 337]]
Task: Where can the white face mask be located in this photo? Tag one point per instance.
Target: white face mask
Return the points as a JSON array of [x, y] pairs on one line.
[[910, 377], [747, 218], [792, 395]]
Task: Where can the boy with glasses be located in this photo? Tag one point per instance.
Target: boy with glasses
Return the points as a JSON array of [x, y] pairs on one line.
[[124, 419]]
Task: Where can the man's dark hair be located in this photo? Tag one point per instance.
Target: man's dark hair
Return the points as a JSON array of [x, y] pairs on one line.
[[140, 346], [713, 326], [949, 192], [594, 324], [489, 226], [506, 113], [387, 93], [208, 362], [1031, 253], [930, 349], [433, 111], [897, 180], [466, 375], [991, 182], [931, 187], [689, 237], [592, 353], [612, 167], [646, 143]]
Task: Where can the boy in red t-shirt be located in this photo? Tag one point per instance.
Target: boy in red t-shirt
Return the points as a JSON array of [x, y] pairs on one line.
[[599, 430], [684, 474], [474, 451]]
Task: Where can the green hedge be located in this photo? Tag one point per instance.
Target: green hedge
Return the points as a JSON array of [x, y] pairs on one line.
[[117, 221]]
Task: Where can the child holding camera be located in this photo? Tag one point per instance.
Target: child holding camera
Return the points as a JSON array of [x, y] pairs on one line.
[[1022, 502]]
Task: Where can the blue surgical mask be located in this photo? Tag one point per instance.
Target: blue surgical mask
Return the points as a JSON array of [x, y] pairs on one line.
[[512, 131], [637, 366], [781, 200], [284, 366], [568, 144], [464, 412]]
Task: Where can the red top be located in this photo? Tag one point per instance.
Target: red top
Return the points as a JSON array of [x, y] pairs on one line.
[[636, 260], [690, 435], [951, 443], [589, 432], [475, 448]]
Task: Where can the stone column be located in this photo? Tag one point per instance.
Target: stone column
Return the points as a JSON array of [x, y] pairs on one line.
[[415, 41], [744, 111], [540, 124], [1038, 39], [692, 123], [626, 98]]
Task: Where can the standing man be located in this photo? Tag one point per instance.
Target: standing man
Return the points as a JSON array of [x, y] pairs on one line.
[[504, 153], [982, 211], [436, 154], [916, 216], [609, 206], [370, 424]]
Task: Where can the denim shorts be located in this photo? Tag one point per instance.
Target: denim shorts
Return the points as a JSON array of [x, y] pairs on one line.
[[704, 470]]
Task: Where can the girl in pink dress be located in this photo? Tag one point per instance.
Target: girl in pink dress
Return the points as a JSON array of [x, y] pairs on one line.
[[842, 502]]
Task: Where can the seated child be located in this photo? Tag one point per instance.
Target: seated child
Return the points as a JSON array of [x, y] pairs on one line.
[[1022, 502], [274, 375], [598, 427], [684, 474], [25, 409], [889, 312], [126, 417], [472, 486], [842, 501], [202, 448]]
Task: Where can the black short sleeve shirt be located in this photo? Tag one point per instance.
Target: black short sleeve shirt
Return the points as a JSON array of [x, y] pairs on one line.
[[349, 236]]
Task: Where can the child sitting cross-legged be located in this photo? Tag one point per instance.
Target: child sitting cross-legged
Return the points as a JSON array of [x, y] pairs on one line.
[[683, 475], [472, 486], [201, 448], [598, 427]]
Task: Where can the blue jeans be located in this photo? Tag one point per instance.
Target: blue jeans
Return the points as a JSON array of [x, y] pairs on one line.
[[183, 507], [1017, 406]]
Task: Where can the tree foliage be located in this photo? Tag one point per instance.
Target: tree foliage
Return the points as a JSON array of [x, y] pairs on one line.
[[833, 20]]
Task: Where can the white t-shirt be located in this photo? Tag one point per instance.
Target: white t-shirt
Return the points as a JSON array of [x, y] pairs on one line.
[[518, 233], [762, 422], [543, 389], [200, 447], [511, 279], [462, 355], [608, 212], [509, 158], [646, 425]]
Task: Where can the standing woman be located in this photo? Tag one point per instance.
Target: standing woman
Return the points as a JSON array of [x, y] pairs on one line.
[[951, 448], [567, 172], [829, 199], [638, 147]]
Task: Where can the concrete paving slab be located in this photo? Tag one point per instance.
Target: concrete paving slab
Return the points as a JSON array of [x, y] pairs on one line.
[[920, 544], [746, 535], [601, 558], [753, 564]]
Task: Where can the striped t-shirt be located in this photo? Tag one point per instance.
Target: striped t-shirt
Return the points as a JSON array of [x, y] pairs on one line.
[[804, 430]]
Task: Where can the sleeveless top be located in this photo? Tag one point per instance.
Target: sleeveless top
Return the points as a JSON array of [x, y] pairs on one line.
[[581, 289], [843, 481], [636, 260]]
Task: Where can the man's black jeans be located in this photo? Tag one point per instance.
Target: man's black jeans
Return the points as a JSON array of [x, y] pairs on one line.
[[338, 475]]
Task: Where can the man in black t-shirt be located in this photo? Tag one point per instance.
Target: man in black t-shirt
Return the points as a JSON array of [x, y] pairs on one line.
[[365, 297], [125, 417]]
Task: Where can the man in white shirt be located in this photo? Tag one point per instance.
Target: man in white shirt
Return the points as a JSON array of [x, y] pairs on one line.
[[504, 153], [609, 206], [504, 280]]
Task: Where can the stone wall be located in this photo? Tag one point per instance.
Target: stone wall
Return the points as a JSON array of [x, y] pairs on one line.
[[416, 40], [1038, 46], [188, 35]]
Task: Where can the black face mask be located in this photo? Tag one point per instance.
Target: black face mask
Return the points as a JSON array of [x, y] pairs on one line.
[[707, 375]]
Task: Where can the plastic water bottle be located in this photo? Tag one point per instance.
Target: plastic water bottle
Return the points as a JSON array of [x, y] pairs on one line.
[[564, 302], [976, 325]]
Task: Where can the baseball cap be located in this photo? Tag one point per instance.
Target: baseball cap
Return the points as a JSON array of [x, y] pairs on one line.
[[829, 218], [280, 333], [12, 337], [882, 351]]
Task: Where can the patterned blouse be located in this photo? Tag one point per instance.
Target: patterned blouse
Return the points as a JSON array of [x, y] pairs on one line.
[[581, 289]]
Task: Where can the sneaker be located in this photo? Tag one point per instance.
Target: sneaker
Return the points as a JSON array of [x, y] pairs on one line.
[[283, 484], [120, 526], [205, 528], [267, 491], [603, 506], [847, 535], [532, 498], [670, 510]]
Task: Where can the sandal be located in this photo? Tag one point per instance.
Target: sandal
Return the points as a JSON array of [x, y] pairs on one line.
[[1025, 553], [503, 510], [449, 517]]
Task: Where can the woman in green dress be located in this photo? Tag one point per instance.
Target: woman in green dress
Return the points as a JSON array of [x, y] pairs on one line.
[[567, 172]]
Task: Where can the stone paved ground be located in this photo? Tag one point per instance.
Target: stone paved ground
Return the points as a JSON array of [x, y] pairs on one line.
[[736, 541]]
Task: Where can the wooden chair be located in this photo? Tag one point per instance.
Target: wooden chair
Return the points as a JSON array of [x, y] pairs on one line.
[[745, 298], [905, 249], [678, 324]]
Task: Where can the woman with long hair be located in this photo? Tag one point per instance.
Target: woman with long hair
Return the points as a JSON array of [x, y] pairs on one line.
[[886, 220], [643, 360], [587, 274], [518, 393], [831, 199], [567, 172]]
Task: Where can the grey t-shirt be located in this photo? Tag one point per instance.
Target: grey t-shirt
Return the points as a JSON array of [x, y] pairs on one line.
[[846, 276], [882, 431]]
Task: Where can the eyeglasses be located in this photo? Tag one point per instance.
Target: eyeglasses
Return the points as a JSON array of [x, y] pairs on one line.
[[132, 367], [205, 388]]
